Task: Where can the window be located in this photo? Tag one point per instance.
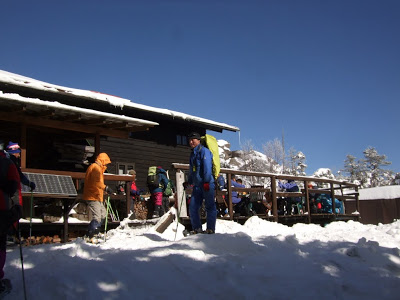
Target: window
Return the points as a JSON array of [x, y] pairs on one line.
[[181, 140], [123, 168]]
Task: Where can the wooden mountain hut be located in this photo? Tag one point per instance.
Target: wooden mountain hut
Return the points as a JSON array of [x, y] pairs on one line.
[[61, 130]]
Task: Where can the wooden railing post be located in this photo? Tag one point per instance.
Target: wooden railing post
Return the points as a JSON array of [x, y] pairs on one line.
[[274, 200], [128, 198], [333, 200], [307, 196], [357, 201], [229, 190]]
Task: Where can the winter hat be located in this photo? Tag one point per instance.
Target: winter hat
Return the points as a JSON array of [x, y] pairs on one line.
[[13, 148], [194, 135], [132, 172]]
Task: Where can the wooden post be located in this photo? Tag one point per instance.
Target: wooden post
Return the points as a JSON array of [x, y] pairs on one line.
[[23, 145], [180, 195], [229, 188], [96, 144], [307, 195], [357, 201], [274, 200], [333, 201], [128, 197], [66, 213]]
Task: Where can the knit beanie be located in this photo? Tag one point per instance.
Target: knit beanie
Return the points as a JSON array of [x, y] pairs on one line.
[[13, 148]]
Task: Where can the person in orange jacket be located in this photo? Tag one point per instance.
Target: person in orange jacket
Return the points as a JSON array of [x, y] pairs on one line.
[[93, 191]]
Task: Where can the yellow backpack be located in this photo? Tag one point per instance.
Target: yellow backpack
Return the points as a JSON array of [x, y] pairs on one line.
[[211, 143]]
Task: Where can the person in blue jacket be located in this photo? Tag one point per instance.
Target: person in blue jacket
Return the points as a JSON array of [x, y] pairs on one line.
[[202, 179], [290, 186], [235, 195]]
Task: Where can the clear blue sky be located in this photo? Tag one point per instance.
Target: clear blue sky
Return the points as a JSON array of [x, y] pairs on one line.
[[326, 73]]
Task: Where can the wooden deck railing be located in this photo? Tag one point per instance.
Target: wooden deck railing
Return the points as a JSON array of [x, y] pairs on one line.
[[333, 186]]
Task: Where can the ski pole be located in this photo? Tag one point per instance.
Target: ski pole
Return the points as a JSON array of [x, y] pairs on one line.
[[30, 220], [22, 258], [105, 226]]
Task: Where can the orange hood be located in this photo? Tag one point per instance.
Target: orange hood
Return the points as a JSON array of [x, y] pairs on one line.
[[103, 159]]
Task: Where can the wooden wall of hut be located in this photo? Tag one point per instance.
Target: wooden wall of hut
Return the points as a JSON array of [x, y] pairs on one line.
[[377, 211], [143, 154]]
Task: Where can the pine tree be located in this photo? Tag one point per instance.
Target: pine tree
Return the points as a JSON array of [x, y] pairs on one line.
[[352, 167], [372, 165], [296, 164]]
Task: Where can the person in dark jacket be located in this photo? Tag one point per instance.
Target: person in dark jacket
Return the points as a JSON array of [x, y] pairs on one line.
[[201, 176], [14, 153], [135, 192], [9, 212], [157, 192]]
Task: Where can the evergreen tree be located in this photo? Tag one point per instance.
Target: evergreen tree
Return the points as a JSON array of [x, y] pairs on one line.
[[352, 167], [296, 163], [372, 167]]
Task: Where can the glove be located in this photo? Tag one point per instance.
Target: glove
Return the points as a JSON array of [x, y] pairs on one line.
[[206, 186], [32, 185], [109, 190]]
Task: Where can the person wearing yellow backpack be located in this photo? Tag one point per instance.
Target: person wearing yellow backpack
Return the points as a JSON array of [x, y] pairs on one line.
[[202, 178]]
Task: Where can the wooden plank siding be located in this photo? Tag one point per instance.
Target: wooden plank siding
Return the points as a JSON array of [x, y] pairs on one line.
[[143, 154]]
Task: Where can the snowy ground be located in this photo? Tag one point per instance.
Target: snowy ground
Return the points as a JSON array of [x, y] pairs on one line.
[[259, 260]]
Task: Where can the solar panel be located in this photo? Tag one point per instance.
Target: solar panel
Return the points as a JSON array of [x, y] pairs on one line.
[[50, 184]]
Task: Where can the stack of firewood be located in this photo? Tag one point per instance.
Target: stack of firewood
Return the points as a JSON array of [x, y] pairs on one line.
[[38, 240], [141, 209]]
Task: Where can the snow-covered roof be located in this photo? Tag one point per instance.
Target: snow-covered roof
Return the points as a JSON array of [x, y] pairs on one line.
[[15, 79], [82, 111], [381, 192]]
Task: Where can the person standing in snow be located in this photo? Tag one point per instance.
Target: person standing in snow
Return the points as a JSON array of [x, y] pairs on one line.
[[201, 176], [10, 212], [157, 192], [135, 192], [14, 153], [93, 191]]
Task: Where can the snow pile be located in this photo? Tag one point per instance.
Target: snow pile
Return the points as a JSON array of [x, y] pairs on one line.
[[257, 260]]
